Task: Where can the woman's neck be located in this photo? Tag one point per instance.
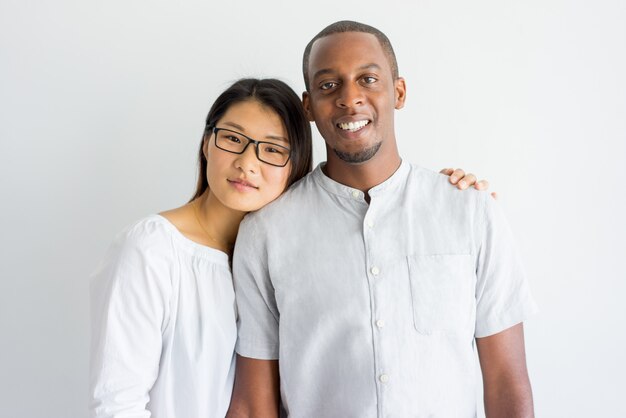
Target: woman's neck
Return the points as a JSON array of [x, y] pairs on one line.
[[219, 223], [206, 221]]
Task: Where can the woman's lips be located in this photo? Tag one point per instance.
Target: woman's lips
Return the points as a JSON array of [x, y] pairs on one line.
[[242, 185]]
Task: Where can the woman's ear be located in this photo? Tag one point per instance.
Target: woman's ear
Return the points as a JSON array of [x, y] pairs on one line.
[[205, 145]]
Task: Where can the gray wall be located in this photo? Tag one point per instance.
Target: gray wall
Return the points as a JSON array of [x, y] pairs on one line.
[[101, 111]]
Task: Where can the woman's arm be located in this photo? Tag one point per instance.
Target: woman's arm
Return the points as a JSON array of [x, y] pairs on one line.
[[129, 309], [462, 180]]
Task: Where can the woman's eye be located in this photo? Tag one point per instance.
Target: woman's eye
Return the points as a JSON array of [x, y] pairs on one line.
[[233, 139], [273, 150], [328, 86]]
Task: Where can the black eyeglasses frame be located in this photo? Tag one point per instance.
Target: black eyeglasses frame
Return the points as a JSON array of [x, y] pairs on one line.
[[215, 130]]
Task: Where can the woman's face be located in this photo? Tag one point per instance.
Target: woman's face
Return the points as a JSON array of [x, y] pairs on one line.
[[241, 181]]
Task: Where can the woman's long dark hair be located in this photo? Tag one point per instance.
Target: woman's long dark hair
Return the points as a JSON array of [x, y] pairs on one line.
[[277, 96]]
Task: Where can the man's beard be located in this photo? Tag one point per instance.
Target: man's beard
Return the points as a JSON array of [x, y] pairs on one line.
[[358, 157]]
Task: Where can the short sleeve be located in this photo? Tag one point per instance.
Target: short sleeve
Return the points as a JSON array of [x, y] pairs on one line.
[[130, 293], [258, 316], [503, 297]]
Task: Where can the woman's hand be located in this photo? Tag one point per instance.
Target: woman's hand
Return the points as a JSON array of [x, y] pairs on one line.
[[463, 181]]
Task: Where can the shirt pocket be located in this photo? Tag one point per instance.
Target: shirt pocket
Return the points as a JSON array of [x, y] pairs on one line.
[[442, 292]]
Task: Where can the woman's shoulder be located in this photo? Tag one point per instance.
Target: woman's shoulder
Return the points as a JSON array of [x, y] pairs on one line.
[[141, 256], [152, 234]]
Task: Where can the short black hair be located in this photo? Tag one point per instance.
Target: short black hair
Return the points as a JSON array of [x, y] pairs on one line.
[[350, 26], [277, 96]]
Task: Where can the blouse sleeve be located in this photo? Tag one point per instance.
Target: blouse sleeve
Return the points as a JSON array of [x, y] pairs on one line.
[[130, 294]]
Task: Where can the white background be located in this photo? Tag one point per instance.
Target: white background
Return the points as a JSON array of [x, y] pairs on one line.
[[101, 112]]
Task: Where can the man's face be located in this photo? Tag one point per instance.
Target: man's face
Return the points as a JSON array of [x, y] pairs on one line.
[[352, 96]]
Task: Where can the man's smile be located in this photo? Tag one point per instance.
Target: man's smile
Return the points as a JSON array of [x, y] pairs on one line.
[[353, 126]]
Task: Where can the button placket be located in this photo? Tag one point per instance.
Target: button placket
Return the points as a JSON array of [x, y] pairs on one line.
[[375, 272]]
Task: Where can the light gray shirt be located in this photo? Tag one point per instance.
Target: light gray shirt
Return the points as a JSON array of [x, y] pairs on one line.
[[372, 309]]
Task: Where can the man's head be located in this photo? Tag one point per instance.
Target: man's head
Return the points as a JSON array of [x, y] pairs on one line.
[[352, 92], [350, 26]]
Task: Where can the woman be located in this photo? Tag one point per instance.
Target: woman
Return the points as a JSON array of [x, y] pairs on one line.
[[163, 308]]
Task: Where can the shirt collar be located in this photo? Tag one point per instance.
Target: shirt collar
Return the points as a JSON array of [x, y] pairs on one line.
[[330, 185]]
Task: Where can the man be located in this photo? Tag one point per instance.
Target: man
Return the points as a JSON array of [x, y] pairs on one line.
[[371, 282]]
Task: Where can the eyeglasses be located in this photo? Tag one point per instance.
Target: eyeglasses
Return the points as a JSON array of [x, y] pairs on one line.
[[236, 142]]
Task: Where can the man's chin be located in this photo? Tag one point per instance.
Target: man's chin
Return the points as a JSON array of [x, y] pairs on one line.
[[358, 157]]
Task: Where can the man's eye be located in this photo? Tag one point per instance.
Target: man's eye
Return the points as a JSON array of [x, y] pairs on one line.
[[327, 86], [370, 80]]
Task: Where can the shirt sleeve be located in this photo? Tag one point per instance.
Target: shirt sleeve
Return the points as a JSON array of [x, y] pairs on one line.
[[503, 297], [258, 316], [130, 294]]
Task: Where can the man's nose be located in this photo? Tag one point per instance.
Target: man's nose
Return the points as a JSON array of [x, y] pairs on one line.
[[350, 96]]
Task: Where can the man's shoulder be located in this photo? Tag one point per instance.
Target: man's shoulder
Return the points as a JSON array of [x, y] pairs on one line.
[[422, 174], [292, 201], [427, 188], [436, 183]]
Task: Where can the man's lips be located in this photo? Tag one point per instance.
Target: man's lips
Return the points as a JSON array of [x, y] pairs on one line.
[[352, 124]]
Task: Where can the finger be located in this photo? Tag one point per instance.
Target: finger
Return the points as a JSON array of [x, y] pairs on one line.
[[456, 175], [494, 195], [466, 181], [481, 185], [447, 171]]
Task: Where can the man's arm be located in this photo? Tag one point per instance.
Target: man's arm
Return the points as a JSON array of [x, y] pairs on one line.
[[507, 390], [257, 389]]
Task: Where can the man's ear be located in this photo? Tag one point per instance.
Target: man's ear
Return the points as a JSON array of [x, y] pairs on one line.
[[400, 90], [306, 103]]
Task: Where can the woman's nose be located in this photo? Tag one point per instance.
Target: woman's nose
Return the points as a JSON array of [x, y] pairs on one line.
[[248, 161]]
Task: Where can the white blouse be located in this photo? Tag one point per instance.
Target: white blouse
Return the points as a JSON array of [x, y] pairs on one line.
[[163, 326]]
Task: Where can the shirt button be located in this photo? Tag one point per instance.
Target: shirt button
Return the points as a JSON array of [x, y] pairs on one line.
[[380, 323], [369, 223], [355, 193], [384, 378], [375, 271]]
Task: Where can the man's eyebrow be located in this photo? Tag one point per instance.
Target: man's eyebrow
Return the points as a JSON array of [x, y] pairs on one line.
[[370, 66], [323, 71]]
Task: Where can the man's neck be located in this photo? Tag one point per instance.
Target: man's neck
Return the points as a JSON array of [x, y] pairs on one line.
[[362, 176]]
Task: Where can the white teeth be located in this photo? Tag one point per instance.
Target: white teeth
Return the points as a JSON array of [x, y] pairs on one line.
[[353, 126]]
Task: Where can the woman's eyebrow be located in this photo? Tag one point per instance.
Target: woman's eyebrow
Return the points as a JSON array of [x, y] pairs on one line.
[[277, 138], [236, 126], [243, 131]]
